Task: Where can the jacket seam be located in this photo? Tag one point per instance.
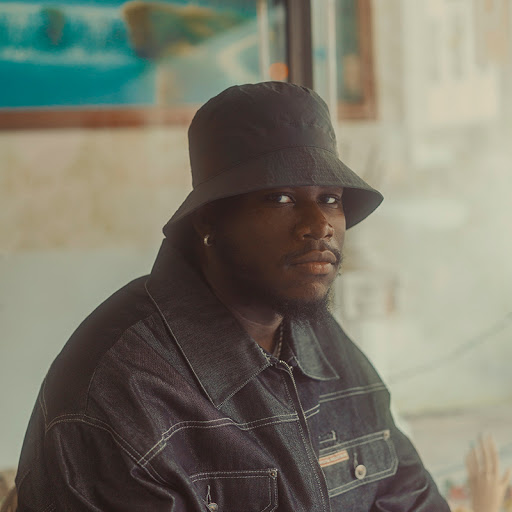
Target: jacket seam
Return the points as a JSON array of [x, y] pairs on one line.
[[304, 441], [257, 372], [162, 316], [217, 406], [312, 464], [311, 412], [97, 423], [336, 491], [223, 422], [119, 339], [209, 477], [42, 403], [230, 474], [382, 435], [346, 393], [93, 422]]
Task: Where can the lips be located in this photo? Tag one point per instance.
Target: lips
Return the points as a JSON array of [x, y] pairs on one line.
[[315, 263], [315, 257]]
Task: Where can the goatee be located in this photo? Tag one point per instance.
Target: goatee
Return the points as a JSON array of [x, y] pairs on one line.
[[298, 310]]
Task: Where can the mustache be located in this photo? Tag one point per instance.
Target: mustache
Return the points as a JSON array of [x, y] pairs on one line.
[[320, 245]]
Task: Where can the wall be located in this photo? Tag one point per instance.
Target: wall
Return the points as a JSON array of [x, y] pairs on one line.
[[82, 212], [427, 284]]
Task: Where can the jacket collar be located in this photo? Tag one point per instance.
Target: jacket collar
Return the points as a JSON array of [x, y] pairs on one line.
[[220, 353]]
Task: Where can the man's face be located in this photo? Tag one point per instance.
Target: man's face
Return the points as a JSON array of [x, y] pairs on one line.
[[282, 245]]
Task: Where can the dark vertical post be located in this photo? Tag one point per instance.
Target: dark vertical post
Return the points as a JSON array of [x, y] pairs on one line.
[[299, 42]]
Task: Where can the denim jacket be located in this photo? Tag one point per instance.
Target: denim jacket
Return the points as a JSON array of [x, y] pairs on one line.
[[160, 401]]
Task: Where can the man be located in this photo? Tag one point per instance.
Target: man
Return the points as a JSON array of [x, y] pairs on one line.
[[221, 382]]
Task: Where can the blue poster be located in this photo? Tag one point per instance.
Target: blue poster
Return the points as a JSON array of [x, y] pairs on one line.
[[96, 53]]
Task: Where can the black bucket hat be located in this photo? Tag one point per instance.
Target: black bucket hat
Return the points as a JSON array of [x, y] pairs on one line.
[[267, 135]]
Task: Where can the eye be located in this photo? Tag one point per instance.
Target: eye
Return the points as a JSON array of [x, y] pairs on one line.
[[279, 198], [331, 200]]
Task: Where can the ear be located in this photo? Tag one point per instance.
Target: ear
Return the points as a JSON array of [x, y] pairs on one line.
[[204, 220]]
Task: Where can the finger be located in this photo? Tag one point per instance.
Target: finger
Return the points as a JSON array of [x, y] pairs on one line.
[[483, 463], [506, 477], [471, 462], [491, 455]]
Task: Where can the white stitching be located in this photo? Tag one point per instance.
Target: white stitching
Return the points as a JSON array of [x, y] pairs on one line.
[[355, 388], [66, 418], [235, 474], [230, 423], [301, 430], [257, 372], [351, 392], [217, 475], [332, 437], [225, 477], [93, 422], [110, 431], [42, 410], [44, 407], [311, 412], [312, 409], [368, 438], [166, 435], [162, 316]]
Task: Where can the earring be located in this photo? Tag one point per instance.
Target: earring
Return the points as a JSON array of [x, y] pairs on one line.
[[207, 240]]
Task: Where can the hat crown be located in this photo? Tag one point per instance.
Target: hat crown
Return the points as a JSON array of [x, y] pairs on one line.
[[246, 121]]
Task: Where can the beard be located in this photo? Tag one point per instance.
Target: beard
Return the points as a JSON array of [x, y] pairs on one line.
[[253, 289], [303, 311]]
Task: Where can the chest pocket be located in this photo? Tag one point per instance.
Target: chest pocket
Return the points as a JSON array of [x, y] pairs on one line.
[[238, 491], [358, 462]]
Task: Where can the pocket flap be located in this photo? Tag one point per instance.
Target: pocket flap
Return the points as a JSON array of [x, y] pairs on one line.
[[238, 491], [358, 462]]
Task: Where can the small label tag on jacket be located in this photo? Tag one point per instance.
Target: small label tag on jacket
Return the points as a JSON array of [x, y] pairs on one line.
[[333, 458]]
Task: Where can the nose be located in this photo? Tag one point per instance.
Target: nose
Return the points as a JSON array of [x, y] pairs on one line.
[[313, 223]]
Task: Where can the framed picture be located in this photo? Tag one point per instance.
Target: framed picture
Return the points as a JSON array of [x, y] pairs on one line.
[[354, 53], [85, 63]]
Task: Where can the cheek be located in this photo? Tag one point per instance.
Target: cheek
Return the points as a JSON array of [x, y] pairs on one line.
[[339, 225], [265, 232]]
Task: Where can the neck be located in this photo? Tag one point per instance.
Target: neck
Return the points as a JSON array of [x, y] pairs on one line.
[[260, 321], [263, 331]]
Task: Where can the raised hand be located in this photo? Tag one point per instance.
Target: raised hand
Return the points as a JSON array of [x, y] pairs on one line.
[[487, 487]]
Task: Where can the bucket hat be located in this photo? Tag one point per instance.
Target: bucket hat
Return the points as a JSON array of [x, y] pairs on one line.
[[267, 135]]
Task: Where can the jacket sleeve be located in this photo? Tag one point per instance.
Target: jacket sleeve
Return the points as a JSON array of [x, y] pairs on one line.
[[411, 488], [91, 468]]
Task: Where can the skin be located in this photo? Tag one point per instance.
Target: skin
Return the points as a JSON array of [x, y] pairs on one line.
[[260, 244], [487, 484]]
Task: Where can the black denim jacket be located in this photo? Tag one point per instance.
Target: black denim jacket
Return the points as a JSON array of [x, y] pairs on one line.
[[160, 401]]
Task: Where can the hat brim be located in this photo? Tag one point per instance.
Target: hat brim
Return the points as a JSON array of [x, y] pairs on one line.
[[295, 166]]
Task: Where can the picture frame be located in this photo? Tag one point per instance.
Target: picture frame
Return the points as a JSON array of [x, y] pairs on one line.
[[80, 64], [142, 96], [356, 77]]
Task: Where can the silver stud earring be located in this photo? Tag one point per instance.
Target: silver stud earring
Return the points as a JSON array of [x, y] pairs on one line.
[[207, 240]]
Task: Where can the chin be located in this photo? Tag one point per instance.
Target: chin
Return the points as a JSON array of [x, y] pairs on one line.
[[310, 292], [304, 306]]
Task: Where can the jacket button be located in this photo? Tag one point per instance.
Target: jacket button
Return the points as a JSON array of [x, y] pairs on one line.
[[213, 507], [360, 471]]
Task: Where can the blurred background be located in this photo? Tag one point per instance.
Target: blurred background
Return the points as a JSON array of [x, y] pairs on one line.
[[95, 100]]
